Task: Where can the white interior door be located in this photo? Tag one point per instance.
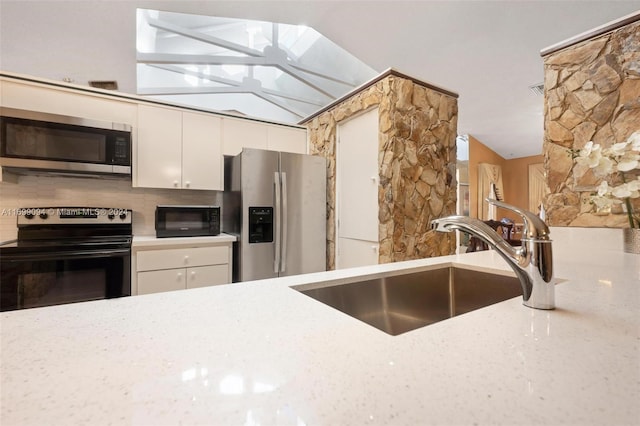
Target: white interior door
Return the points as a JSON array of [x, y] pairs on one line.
[[357, 191]]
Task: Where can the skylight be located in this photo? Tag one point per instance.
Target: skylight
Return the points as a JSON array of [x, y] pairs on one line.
[[262, 69]]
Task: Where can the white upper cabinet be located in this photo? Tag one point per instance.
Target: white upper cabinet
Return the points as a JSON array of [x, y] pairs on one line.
[[240, 133], [158, 161], [288, 139], [202, 166], [173, 147], [53, 100], [178, 149]]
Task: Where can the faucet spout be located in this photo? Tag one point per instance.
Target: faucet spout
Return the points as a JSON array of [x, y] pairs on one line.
[[532, 262]]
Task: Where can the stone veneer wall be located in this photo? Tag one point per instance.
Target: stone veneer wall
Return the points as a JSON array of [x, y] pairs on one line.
[[592, 92], [416, 160]]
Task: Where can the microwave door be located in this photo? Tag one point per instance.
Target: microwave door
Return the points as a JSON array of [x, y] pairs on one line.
[[257, 244]]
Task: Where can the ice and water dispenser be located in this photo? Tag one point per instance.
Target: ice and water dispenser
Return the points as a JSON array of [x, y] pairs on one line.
[[260, 224]]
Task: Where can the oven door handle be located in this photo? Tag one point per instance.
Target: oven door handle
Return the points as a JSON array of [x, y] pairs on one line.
[[81, 254]]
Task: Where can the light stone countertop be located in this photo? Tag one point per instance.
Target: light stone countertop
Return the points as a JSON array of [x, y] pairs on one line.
[[262, 353]]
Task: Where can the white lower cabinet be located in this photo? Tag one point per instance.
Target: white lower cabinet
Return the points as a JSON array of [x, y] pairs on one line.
[[159, 281], [170, 269], [204, 276]]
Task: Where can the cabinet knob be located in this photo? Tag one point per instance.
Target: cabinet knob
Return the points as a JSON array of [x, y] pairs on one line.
[[193, 274], [175, 183], [186, 259], [187, 184], [179, 275]]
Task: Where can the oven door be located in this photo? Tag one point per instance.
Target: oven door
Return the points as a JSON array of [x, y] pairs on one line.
[[54, 278]]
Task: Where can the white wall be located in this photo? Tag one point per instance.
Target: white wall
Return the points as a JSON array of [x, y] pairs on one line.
[[82, 40]]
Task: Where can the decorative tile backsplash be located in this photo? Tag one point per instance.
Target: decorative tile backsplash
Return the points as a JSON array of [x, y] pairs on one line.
[[47, 191]]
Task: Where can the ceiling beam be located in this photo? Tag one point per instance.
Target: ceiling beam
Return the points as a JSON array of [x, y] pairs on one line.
[[235, 83], [205, 38]]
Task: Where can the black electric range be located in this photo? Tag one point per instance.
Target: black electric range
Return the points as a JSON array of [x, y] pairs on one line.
[[65, 255]]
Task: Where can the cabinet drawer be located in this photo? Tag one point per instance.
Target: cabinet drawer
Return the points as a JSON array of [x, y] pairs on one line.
[[150, 260], [204, 276], [159, 281]]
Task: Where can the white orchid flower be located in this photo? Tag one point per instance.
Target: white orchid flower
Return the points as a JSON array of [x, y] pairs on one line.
[[621, 157], [617, 149], [635, 184], [590, 155], [628, 161], [621, 191], [603, 188], [627, 165], [634, 141], [603, 167], [586, 149], [634, 187], [602, 202]]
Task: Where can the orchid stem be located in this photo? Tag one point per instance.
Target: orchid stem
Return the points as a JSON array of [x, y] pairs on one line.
[[627, 202]]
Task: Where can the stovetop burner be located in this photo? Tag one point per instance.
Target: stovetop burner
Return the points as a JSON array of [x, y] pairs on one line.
[[33, 216], [63, 228]]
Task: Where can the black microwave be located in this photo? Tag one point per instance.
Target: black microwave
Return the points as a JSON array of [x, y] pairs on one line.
[[37, 141], [187, 221]]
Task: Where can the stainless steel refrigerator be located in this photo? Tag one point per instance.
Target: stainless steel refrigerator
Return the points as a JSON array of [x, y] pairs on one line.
[[275, 203]]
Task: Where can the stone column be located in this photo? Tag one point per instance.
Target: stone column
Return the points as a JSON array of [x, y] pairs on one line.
[[416, 159], [592, 93]]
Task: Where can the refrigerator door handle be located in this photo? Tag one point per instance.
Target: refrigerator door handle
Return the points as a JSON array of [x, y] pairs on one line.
[[285, 220], [278, 220]]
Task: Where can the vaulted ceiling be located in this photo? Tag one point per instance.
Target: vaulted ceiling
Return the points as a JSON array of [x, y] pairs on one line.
[[487, 51]]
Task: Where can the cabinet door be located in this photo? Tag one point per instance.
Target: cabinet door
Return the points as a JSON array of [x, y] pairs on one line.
[[357, 177], [159, 281], [62, 101], [159, 148], [202, 161], [287, 139], [238, 134], [353, 253], [205, 276]]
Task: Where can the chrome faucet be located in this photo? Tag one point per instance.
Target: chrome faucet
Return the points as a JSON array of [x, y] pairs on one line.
[[532, 262]]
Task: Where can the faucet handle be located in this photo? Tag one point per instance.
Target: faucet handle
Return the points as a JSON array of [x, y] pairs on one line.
[[533, 227]]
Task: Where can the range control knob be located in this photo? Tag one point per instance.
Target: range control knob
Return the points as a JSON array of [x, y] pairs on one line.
[[29, 215], [43, 215], [123, 216], [111, 216]]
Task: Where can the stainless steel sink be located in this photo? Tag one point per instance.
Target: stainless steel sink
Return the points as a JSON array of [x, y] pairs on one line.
[[400, 303]]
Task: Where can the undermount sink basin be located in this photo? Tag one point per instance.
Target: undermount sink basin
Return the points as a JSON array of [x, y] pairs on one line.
[[400, 303]]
